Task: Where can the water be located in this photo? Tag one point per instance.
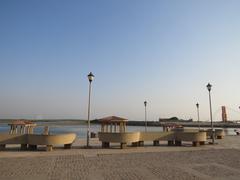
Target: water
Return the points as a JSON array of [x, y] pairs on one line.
[[81, 130]]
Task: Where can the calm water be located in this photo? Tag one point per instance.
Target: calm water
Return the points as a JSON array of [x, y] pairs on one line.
[[81, 130]]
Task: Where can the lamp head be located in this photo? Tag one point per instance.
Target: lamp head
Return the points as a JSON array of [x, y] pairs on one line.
[[197, 105], [209, 86], [90, 77], [145, 103]]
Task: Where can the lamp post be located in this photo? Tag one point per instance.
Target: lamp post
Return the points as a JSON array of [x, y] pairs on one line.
[[145, 104], [90, 78], [209, 86], [197, 105]]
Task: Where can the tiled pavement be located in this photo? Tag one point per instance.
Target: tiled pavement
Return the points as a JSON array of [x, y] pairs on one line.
[[204, 164]]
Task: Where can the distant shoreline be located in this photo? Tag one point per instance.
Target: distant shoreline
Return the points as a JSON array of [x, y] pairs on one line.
[[131, 123]]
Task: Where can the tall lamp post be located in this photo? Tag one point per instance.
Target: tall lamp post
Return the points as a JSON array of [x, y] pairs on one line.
[[145, 105], [90, 78], [197, 105], [209, 86]]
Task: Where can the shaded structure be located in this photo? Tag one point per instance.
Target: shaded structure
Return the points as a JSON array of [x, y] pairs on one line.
[[21, 127], [113, 124]]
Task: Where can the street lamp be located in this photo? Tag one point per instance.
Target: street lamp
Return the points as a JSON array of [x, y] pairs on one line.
[[209, 86], [197, 105], [90, 78], [145, 104]]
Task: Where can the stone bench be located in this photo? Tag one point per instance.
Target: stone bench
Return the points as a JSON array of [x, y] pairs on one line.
[[31, 141], [218, 133], [197, 138], [138, 138]]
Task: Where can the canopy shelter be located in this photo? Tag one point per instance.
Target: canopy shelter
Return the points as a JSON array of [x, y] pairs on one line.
[[113, 124], [21, 127]]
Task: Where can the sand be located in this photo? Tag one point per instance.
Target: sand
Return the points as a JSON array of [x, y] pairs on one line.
[[221, 161]]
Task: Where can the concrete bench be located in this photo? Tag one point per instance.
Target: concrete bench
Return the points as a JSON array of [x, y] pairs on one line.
[[6, 138], [122, 138], [218, 133], [138, 138], [197, 138], [31, 141]]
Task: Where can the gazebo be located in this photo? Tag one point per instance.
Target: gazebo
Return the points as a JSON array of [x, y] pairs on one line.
[[24, 126], [113, 124]]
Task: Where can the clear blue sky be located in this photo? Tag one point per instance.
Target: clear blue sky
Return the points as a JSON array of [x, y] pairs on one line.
[[164, 52]]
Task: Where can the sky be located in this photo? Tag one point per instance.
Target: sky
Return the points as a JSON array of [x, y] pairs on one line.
[[164, 52]]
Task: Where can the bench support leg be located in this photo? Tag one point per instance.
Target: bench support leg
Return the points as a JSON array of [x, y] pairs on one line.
[[123, 145], [2, 146], [24, 146], [67, 146], [178, 143], [170, 143], [140, 143], [156, 143], [105, 144], [202, 142], [32, 147], [195, 143], [135, 144], [49, 148]]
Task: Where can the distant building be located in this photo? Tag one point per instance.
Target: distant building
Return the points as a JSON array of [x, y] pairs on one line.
[[224, 114]]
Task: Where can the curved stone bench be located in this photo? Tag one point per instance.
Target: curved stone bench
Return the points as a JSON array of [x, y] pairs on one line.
[[197, 138], [33, 140], [156, 137], [122, 138], [138, 138], [219, 133], [50, 140], [6, 138]]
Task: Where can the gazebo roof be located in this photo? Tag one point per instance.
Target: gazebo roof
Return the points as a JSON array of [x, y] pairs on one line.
[[21, 122], [111, 119]]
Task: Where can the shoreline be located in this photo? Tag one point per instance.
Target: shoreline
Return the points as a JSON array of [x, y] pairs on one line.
[[65, 122]]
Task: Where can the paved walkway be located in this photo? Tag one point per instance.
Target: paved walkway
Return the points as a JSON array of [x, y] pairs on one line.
[[220, 161], [209, 164]]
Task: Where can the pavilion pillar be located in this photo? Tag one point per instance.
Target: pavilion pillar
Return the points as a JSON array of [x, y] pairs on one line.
[[111, 127], [102, 128], [115, 127], [120, 127], [21, 129], [14, 129], [11, 129]]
